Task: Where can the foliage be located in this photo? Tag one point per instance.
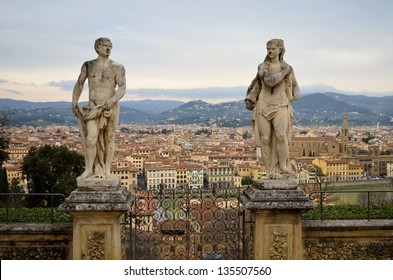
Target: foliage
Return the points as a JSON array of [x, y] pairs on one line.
[[38, 215], [247, 135], [335, 212], [321, 184], [203, 131], [15, 186], [3, 184], [52, 169], [3, 153], [4, 119], [125, 130], [368, 138], [387, 152], [246, 181]]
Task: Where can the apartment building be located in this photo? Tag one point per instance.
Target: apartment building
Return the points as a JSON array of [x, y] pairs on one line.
[[195, 176], [160, 175], [223, 173], [181, 176], [17, 152], [126, 172], [138, 161], [14, 171], [339, 169]]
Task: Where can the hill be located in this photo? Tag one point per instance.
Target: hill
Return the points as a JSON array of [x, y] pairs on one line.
[[20, 104], [382, 105], [228, 114], [64, 116], [154, 107], [328, 109], [310, 109]]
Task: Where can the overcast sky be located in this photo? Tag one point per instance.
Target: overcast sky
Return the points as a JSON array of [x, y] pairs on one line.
[[342, 45]]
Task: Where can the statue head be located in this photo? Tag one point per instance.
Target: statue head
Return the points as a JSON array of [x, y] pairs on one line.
[[100, 41], [279, 43]]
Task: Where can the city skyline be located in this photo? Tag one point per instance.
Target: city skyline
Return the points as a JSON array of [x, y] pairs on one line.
[[172, 50]]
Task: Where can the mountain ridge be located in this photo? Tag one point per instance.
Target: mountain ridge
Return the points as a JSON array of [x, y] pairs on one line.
[[311, 109]]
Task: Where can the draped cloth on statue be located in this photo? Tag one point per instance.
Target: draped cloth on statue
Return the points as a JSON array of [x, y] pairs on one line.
[[99, 114], [270, 110]]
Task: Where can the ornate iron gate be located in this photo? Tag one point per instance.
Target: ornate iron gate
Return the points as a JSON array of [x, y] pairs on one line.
[[188, 224]]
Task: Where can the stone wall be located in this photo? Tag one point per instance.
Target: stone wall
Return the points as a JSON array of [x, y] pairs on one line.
[[21, 241], [348, 240], [333, 240]]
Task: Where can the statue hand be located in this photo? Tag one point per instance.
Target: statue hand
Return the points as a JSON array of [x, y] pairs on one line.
[[108, 104], [249, 104], [287, 69], [75, 110]]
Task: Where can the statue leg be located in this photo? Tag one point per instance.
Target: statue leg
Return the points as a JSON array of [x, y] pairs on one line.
[[264, 130], [110, 138], [280, 124], [90, 147]]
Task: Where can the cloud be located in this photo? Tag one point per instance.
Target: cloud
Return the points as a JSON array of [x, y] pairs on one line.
[[209, 93], [66, 85], [11, 91], [3, 81]]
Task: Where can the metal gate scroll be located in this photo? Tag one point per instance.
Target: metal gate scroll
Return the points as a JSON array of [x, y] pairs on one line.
[[188, 224]]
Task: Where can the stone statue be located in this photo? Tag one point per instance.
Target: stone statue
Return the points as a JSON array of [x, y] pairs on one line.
[[270, 97], [99, 119]]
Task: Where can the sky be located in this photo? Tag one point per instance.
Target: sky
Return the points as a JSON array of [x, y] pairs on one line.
[[195, 49]]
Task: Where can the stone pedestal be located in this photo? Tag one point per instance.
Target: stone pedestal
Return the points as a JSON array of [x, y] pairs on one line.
[[96, 207], [276, 206]]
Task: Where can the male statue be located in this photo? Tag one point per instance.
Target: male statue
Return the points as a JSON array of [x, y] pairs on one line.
[[270, 97], [99, 119]]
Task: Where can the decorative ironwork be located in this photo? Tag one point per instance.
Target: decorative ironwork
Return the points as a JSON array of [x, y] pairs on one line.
[[187, 224]]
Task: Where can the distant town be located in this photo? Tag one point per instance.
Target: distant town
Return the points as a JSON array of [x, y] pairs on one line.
[[193, 156]]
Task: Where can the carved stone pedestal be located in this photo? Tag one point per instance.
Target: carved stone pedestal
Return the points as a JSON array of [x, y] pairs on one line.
[[96, 207], [276, 206]]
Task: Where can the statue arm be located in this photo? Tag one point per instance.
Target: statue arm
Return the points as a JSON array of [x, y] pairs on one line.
[[121, 84], [273, 80], [252, 93], [78, 88], [295, 87]]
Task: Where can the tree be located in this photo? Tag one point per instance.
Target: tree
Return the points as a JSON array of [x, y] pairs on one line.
[[321, 183], [246, 181], [3, 182], [15, 187], [51, 169], [247, 135], [4, 118], [368, 138], [6, 113], [3, 150]]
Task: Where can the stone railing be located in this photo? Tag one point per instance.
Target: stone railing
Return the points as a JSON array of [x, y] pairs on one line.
[[334, 240], [35, 241], [348, 239]]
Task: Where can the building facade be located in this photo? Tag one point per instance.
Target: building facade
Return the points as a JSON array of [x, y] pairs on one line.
[[339, 169]]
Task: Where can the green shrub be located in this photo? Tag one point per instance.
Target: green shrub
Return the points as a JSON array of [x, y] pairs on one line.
[[33, 215], [335, 212]]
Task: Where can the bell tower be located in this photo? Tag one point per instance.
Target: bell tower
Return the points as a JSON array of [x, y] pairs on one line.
[[344, 135]]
